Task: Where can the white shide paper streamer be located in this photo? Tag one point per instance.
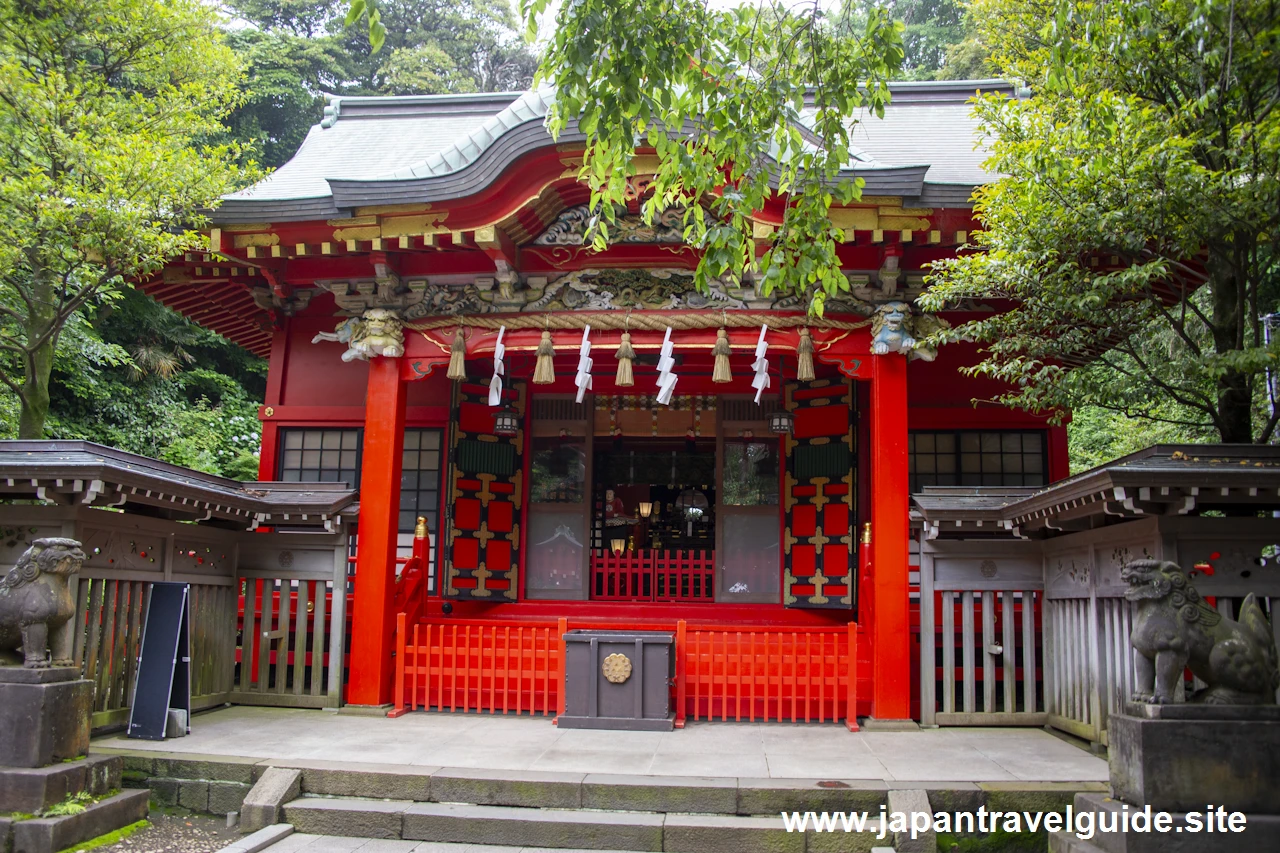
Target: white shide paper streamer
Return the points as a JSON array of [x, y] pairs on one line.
[[761, 365], [583, 379], [495, 384]]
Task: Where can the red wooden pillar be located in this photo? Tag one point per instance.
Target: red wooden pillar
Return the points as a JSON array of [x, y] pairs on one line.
[[373, 621], [267, 464], [890, 530]]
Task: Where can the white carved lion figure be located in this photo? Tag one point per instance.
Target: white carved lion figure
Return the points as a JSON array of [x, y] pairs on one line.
[[35, 602], [378, 331]]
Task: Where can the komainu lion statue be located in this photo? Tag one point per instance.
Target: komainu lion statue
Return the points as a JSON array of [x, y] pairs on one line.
[[1176, 630], [895, 328], [376, 332], [35, 602]]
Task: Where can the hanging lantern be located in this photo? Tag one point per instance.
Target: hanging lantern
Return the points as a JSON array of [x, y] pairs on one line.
[[585, 362], [495, 384], [782, 422], [804, 356], [666, 379], [626, 357], [761, 365], [506, 421], [457, 357], [721, 351], [646, 509], [619, 545], [544, 370]]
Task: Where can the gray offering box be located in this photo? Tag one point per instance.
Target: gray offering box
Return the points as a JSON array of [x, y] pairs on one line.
[[641, 702]]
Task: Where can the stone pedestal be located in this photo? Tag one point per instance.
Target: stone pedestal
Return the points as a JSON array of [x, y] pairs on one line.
[[1179, 758], [44, 716], [1188, 760], [44, 741]]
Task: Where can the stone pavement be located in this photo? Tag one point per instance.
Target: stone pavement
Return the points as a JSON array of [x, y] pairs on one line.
[[746, 750], [303, 843]]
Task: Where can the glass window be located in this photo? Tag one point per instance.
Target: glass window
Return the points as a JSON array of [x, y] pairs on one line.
[[557, 542], [333, 456], [559, 470], [977, 458], [749, 564], [750, 473], [420, 490], [321, 456]]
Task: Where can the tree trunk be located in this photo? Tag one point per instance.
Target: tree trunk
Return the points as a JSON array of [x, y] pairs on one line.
[[1235, 400], [39, 363]]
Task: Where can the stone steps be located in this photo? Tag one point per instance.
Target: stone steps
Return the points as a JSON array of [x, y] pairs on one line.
[[553, 828]]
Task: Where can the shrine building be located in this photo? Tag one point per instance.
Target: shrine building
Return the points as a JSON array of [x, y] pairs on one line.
[[592, 441]]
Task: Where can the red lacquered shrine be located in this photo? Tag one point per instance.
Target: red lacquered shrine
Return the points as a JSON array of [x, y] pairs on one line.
[[440, 337]]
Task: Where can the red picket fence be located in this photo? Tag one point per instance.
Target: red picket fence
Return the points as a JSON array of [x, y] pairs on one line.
[[477, 666], [804, 674], [724, 672]]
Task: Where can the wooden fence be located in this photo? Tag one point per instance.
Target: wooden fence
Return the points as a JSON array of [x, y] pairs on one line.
[[1088, 661], [979, 608], [725, 672]]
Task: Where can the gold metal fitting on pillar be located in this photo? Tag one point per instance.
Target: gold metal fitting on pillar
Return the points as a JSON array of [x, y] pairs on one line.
[[866, 533], [420, 529]]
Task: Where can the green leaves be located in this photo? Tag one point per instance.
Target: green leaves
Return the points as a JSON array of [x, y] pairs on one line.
[[748, 111], [377, 31], [1131, 227], [107, 112]]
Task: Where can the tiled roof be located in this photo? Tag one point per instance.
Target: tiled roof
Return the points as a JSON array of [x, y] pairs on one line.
[[434, 148]]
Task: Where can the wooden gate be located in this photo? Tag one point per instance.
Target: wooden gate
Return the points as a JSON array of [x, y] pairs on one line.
[[820, 496], [486, 492], [979, 609], [293, 616]]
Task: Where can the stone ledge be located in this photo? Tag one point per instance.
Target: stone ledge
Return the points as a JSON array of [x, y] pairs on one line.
[[33, 789], [49, 835]]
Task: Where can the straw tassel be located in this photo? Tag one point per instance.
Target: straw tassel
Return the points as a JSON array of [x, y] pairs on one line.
[[544, 371], [721, 351], [625, 356], [804, 356], [457, 357]]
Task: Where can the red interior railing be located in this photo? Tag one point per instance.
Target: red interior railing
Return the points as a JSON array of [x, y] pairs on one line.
[[653, 575]]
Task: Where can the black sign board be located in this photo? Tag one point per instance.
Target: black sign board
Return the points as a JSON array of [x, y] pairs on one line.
[[164, 662]]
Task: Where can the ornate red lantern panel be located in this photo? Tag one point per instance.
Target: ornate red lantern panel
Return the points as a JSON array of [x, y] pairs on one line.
[[819, 496], [485, 496]]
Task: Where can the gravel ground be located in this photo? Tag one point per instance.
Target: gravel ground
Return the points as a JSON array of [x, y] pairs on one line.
[[176, 833]]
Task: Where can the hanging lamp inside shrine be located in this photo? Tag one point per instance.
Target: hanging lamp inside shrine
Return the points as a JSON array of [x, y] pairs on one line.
[[544, 370]]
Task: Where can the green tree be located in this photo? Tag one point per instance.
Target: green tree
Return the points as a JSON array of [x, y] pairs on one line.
[[739, 105], [930, 29], [103, 108], [1133, 230], [133, 374], [296, 51]]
